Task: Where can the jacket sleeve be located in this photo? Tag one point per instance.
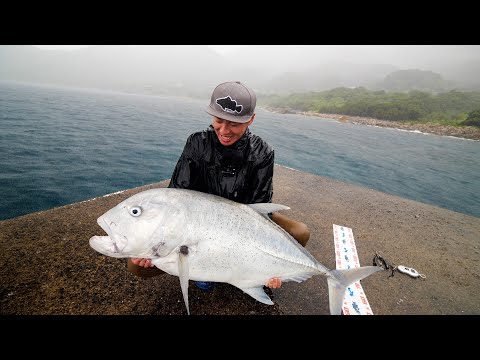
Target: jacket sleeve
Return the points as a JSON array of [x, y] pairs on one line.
[[185, 172], [263, 183]]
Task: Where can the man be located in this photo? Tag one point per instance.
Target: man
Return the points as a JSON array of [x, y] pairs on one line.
[[229, 161]]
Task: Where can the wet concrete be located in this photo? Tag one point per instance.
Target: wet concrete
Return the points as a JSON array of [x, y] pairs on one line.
[[48, 267]]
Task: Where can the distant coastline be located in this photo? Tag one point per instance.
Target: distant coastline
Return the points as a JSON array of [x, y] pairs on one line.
[[466, 132]]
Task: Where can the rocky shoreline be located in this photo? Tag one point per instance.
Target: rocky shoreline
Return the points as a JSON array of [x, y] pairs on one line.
[[466, 132]]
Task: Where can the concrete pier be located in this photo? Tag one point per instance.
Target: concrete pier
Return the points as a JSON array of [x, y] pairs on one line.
[[48, 267]]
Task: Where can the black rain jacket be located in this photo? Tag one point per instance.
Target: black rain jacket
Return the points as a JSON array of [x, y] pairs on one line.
[[242, 172]]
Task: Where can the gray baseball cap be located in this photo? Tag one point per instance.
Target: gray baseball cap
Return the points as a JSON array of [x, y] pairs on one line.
[[232, 101]]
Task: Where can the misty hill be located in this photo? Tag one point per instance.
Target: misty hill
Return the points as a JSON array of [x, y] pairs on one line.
[[293, 68], [193, 70], [406, 80], [328, 76]]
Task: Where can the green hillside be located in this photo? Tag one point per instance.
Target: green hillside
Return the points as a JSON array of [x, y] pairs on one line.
[[452, 107]]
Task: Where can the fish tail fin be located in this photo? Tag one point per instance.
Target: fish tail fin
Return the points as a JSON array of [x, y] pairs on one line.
[[339, 280]]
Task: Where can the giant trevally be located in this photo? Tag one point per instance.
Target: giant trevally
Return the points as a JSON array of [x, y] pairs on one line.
[[204, 237]]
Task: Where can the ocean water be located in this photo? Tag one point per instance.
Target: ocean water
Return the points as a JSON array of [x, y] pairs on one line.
[[62, 145]]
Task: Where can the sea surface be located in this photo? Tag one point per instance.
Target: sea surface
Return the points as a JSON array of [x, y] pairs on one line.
[[60, 145]]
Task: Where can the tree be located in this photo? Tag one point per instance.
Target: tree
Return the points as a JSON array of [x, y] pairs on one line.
[[473, 118]]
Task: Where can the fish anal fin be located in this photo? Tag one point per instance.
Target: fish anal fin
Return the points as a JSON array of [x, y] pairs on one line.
[[258, 294]]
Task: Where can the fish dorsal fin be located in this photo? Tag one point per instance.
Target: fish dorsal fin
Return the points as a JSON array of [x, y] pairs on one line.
[[258, 294], [183, 273], [265, 208]]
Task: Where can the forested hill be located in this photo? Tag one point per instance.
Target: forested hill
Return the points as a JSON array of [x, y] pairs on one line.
[[414, 79], [452, 107]]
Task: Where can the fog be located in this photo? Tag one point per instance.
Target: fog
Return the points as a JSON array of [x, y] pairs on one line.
[[193, 70], [303, 57]]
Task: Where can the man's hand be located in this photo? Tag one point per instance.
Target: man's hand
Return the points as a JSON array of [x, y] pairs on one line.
[[146, 263], [274, 283]]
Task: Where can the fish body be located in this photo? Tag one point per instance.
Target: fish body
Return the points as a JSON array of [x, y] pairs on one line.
[[203, 237]]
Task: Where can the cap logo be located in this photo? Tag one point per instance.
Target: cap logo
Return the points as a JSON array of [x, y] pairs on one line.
[[229, 105]]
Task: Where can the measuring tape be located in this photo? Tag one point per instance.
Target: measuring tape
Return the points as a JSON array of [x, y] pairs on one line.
[[355, 301]]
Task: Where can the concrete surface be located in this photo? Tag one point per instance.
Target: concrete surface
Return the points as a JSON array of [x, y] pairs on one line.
[[48, 267]]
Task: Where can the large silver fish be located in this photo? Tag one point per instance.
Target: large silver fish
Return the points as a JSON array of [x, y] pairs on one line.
[[203, 237]]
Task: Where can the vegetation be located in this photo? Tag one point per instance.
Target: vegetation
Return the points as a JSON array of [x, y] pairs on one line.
[[448, 108], [405, 80], [473, 118]]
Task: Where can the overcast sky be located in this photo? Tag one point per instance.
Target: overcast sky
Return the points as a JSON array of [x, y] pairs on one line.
[[400, 55], [221, 49]]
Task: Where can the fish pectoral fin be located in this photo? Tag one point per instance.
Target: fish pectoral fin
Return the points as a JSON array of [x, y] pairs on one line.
[[183, 273], [258, 294], [265, 208]]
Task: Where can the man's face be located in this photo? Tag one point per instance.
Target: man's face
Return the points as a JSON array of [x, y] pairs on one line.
[[229, 132]]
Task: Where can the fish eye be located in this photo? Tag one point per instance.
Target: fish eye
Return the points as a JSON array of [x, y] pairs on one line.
[[136, 211]]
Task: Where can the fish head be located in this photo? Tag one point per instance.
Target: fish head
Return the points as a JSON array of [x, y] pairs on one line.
[[138, 227]]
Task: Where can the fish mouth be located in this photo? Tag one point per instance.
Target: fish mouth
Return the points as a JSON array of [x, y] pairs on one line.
[[111, 245], [102, 221], [104, 245]]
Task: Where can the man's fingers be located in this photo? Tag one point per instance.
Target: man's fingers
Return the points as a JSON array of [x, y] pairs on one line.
[[145, 263], [274, 283]]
